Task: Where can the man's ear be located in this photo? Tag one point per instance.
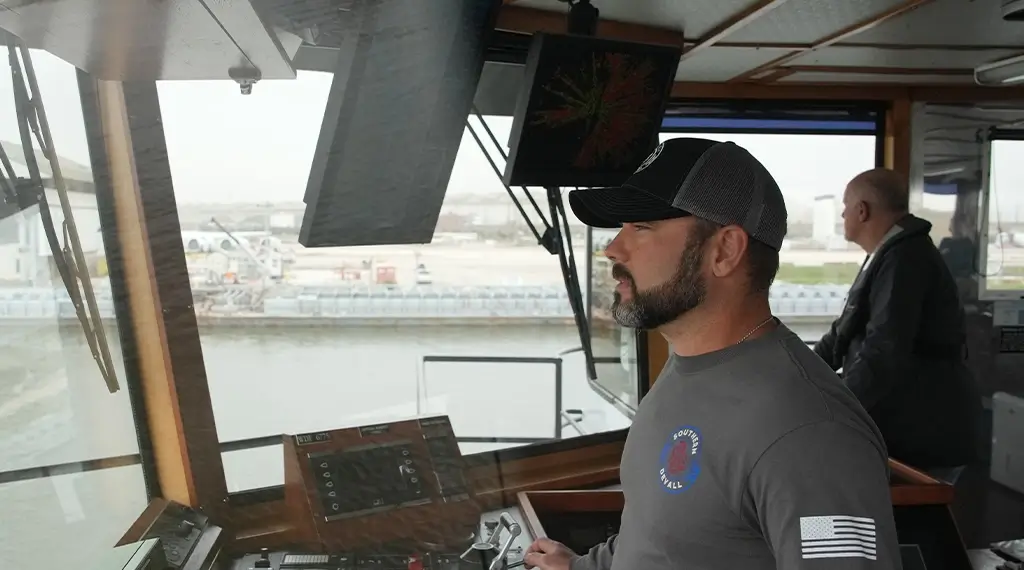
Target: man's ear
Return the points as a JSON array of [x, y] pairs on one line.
[[865, 211], [729, 245]]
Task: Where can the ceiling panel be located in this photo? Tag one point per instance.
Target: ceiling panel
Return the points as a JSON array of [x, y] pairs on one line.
[[694, 17], [917, 58], [949, 22], [724, 63], [807, 21], [819, 77]]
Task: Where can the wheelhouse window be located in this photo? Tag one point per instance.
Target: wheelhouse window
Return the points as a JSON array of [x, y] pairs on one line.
[[476, 325], [70, 467], [812, 153], [1002, 270]]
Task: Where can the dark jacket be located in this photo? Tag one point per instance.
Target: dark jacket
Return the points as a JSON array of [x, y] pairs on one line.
[[901, 344]]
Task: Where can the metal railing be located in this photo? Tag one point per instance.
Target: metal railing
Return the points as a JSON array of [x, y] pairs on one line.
[[69, 468], [556, 362]]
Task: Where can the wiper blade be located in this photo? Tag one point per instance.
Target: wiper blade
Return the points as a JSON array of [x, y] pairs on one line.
[[68, 257]]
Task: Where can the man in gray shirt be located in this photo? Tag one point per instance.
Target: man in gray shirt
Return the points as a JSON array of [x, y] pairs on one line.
[[748, 452]]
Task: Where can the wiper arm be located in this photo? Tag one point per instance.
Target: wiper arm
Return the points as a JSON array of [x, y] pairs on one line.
[[69, 259]]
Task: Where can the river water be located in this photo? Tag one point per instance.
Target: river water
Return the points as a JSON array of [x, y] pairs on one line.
[[55, 409]]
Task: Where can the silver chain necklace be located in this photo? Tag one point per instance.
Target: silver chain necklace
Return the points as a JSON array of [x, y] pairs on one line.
[[755, 329]]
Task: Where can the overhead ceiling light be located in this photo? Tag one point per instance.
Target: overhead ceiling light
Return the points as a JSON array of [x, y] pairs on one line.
[[943, 170], [1009, 71]]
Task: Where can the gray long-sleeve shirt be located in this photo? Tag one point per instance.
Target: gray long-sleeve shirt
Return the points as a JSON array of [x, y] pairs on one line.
[[753, 457]]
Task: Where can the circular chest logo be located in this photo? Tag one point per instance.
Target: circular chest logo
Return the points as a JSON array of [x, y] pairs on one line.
[[680, 460], [650, 159]]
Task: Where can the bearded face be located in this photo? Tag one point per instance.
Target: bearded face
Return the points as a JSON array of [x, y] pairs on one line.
[[661, 304]]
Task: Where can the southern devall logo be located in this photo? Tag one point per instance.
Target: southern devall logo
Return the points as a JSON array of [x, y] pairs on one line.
[[680, 457], [650, 159]]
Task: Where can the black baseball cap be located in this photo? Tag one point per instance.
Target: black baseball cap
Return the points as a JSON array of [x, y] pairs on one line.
[[717, 181]]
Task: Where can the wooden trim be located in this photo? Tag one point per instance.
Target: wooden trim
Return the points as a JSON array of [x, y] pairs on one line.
[[847, 32], [565, 501], [147, 316], [534, 504], [906, 495], [657, 356], [875, 70], [776, 74], [851, 92], [266, 525], [898, 136], [106, 204], [845, 92], [733, 24], [910, 486], [185, 444], [145, 521], [497, 484], [911, 475]]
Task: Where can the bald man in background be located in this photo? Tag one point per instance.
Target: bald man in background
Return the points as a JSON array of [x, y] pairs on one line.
[[900, 340]]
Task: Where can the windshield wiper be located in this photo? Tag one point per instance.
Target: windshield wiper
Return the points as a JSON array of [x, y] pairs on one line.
[[21, 193]]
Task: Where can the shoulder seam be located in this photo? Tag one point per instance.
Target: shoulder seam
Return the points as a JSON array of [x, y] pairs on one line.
[[746, 478], [800, 427], [803, 374]]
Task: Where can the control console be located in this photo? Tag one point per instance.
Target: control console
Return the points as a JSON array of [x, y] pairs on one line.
[[189, 539], [367, 561], [403, 481]]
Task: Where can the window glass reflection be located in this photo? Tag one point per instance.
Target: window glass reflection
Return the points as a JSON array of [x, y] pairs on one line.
[[55, 409], [345, 336]]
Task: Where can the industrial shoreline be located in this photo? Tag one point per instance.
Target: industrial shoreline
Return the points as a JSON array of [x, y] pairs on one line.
[[246, 321]]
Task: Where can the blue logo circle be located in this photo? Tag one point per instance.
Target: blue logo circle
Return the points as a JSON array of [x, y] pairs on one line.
[[680, 460]]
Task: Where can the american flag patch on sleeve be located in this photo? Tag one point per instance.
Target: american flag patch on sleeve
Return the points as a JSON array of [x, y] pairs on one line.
[[837, 536]]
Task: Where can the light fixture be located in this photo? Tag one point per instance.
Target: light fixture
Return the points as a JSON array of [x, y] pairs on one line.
[[1009, 71], [943, 170]]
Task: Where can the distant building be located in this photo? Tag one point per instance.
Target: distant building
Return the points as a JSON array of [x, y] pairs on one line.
[[25, 254], [824, 228]]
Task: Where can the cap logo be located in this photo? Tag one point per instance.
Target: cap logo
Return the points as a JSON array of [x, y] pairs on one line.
[[650, 159]]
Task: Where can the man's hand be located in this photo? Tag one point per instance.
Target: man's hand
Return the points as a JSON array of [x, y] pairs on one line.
[[547, 554]]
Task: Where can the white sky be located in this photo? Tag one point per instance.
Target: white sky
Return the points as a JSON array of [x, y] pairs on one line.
[[225, 147]]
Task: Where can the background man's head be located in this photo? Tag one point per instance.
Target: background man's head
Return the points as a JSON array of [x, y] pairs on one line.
[[873, 201], [702, 224]]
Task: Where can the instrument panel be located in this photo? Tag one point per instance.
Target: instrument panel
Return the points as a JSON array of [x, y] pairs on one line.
[[499, 543], [388, 475], [354, 488], [313, 561], [190, 541]]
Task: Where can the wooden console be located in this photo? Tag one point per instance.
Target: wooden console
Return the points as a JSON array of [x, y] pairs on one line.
[[582, 519], [362, 487], [912, 487], [921, 507]]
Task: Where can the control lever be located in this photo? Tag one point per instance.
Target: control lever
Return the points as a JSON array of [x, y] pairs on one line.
[[489, 549], [264, 561]]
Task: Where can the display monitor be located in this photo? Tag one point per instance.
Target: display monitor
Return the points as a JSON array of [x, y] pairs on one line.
[[589, 111], [404, 82]]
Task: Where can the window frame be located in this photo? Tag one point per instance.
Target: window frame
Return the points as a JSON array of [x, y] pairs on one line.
[[115, 257], [257, 515], [984, 293], [542, 465], [764, 117]]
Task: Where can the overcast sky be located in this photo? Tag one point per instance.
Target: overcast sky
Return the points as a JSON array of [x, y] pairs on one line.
[[226, 147]]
